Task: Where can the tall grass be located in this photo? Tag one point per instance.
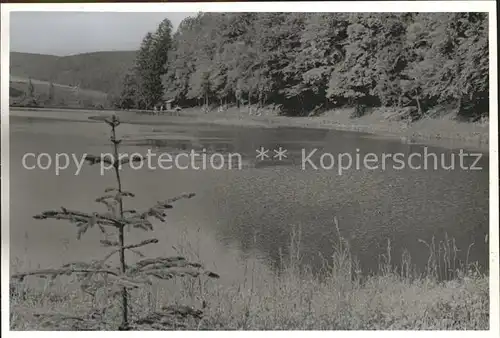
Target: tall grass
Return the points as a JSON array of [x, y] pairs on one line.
[[447, 295]]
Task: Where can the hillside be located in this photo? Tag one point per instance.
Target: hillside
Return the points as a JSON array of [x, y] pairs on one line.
[[101, 71], [59, 96]]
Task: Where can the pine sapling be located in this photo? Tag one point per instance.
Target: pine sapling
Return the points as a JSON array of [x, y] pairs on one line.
[[119, 280]]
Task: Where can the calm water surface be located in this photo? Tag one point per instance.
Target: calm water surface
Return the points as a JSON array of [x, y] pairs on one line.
[[252, 211]]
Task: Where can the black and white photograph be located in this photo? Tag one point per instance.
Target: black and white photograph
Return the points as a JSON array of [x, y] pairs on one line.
[[269, 167]]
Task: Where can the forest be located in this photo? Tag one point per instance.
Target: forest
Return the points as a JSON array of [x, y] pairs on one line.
[[313, 62]]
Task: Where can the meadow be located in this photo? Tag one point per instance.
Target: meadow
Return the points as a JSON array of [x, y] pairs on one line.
[[63, 95]]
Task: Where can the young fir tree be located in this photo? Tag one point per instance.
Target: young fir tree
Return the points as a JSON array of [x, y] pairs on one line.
[[120, 280]]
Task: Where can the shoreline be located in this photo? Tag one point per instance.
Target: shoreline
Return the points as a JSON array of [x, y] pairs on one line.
[[477, 142], [431, 132], [295, 299]]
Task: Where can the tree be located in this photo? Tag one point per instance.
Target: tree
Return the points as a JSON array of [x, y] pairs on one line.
[[144, 72], [320, 51], [181, 61], [356, 76], [51, 95], [449, 62], [31, 99], [143, 86], [31, 89], [120, 281], [129, 95]]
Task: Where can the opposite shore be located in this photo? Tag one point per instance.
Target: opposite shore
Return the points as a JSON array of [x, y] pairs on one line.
[[445, 132]]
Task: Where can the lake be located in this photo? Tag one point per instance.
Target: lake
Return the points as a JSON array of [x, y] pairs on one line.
[[254, 211]]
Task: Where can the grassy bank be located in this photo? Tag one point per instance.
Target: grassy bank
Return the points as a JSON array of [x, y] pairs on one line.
[[254, 298], [445, 130]]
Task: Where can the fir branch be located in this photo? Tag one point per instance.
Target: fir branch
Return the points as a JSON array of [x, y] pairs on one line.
[[179, 272], [61, 272], [128, 247], [113, 122], [78, 216], [171, 316], [182, 311], [130, 282], [92, 159], [158, 321], [132, 159], [148, 261], [106, 242], [174, 199]]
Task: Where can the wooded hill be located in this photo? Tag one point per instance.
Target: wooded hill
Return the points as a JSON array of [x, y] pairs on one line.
[[100, 71], [303, 61]]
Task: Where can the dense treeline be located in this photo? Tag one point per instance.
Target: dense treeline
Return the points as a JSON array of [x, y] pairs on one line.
[[316, 61]]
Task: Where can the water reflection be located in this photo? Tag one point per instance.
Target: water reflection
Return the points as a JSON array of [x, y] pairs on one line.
[[258, 208]]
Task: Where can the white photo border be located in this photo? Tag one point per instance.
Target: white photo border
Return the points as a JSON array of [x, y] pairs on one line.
[[332, 6]]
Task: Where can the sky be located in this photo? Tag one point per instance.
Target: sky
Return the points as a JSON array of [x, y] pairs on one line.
[[67, 33]]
